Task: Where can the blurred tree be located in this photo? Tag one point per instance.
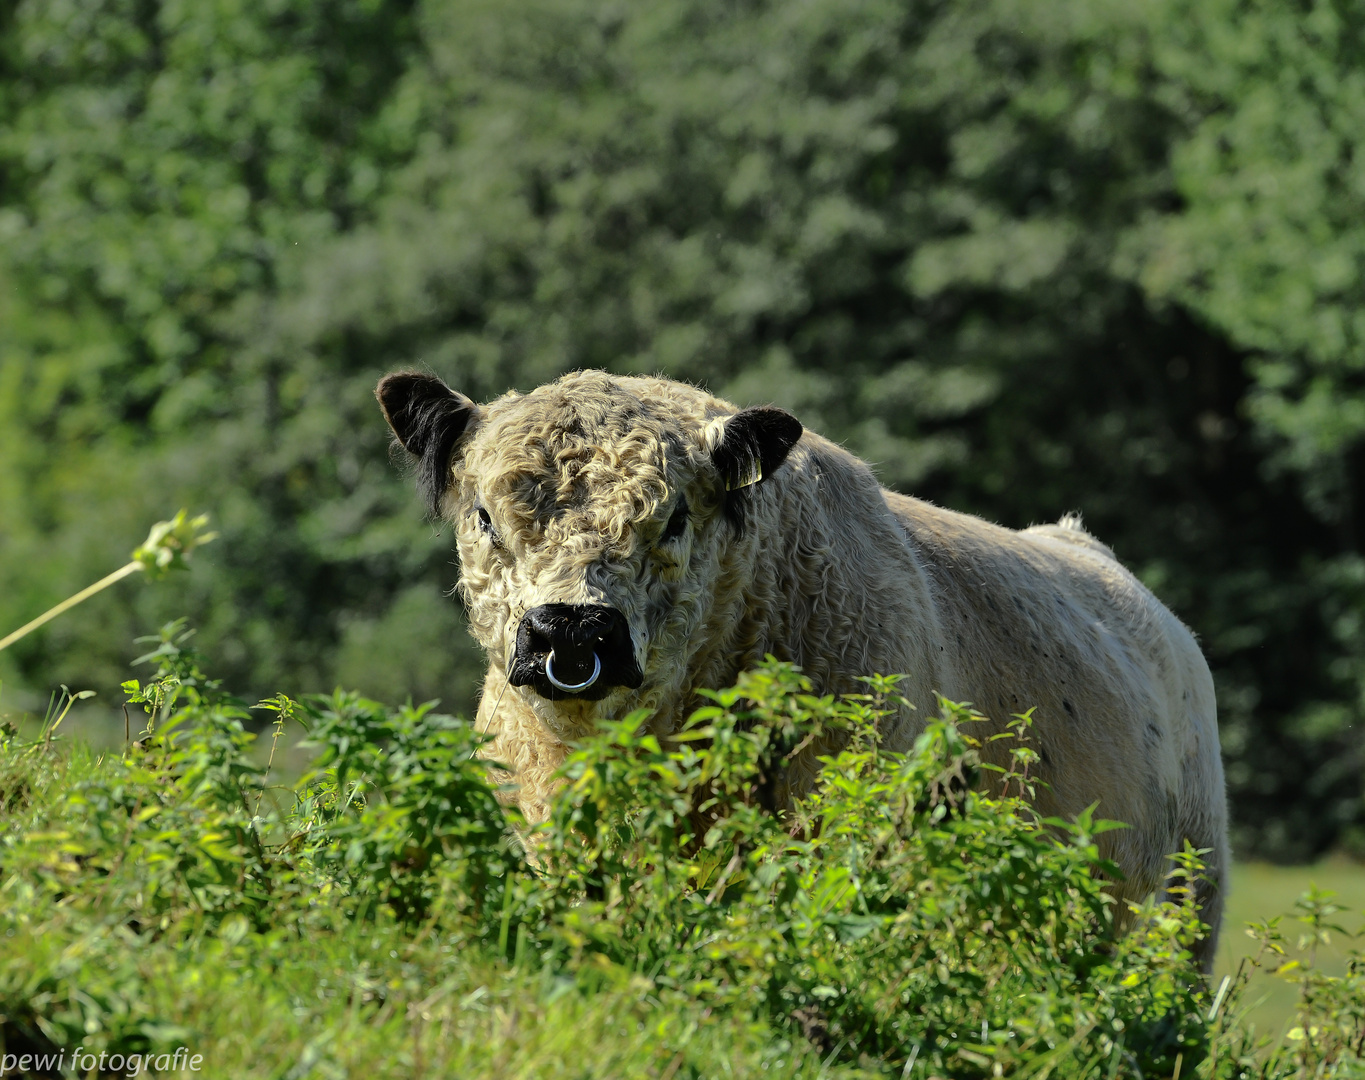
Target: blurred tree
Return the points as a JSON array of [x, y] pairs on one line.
[[1269, 247], [1016, 255], [158, 162]]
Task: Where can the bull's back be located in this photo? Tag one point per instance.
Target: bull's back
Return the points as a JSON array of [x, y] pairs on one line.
[[1047, 619]]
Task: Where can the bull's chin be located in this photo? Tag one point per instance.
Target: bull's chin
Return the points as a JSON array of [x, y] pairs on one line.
[[575, 717]]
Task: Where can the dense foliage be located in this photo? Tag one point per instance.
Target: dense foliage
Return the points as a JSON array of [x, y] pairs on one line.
[[387, 916], [1090, 255]]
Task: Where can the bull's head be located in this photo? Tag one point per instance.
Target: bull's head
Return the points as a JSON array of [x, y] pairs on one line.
[[600, 523]]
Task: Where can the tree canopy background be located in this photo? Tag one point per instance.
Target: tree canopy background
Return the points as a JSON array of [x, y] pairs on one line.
[[1090, 255]]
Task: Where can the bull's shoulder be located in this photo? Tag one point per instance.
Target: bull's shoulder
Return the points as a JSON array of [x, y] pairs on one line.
[[1069, 530], [948, 537], [1005, 585], [958, 541], [1005, 593]]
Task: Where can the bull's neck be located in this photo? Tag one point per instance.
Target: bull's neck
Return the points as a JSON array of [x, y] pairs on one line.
[[804, 575]]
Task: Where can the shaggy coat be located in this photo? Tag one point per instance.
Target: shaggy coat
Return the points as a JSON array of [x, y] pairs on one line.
[[722, 535]]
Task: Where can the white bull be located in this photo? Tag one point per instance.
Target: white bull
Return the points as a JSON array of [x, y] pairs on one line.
[[626, 541]]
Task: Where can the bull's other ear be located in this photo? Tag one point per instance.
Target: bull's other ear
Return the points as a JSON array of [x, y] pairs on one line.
[[428, 419], [755, 442]]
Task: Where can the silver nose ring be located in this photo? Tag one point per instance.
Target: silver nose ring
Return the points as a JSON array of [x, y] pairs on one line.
[[572, 688]]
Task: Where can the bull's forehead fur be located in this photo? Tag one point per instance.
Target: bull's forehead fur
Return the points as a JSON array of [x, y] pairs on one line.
[[588, 454]]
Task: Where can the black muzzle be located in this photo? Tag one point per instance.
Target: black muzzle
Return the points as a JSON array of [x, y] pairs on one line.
[[578, 651]]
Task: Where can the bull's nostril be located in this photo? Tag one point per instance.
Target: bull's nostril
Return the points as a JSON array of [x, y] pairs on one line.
[[572, 688]]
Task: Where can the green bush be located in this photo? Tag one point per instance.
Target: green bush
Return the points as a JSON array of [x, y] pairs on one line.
[[386, 915], [896, 913]]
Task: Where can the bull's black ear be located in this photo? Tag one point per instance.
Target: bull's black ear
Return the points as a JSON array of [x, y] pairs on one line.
[[428, 419], [755, 442]]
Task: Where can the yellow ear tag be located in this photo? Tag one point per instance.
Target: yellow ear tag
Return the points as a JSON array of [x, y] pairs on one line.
[[753, 476]]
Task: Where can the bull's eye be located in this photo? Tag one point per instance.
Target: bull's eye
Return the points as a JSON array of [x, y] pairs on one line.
[[486, 524], [677, 522]]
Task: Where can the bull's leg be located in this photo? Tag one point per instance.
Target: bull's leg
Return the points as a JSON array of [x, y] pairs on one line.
[[1204, 829], [1207, 893]]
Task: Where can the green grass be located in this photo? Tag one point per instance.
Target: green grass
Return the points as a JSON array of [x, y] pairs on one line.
[[370, 1001], [1262, 891]]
